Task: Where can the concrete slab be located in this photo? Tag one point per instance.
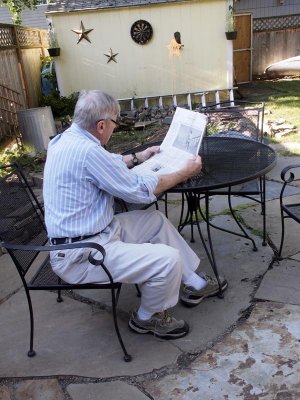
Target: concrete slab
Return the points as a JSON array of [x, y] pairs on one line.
[[282, 162], [75, 341], [78, 339], [48, 389], [72, 338], [241, 266], [281, 283], [253, 219], [105, 390], [260, 359], [5, 392], [10, 281]]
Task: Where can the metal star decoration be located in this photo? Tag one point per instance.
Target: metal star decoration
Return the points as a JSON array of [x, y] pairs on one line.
[[111, 56], [83, 33]]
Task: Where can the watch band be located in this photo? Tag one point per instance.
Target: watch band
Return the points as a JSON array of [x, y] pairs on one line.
[[134, 159]]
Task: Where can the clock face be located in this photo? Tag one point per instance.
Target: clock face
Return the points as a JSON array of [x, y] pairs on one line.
[[141, 31]]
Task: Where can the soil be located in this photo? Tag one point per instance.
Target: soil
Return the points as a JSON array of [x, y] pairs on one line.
[[149, 135], [251, 91]]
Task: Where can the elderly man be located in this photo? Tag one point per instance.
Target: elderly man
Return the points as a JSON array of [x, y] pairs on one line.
[[81, 179]]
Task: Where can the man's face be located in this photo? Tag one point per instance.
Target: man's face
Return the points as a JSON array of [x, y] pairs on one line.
[[105, 128]]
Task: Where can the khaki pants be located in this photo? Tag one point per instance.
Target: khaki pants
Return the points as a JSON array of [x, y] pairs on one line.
[[141, 247]]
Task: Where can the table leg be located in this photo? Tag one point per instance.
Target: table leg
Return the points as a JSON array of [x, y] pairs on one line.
[[244, 233], [262, 182], [191, 218]]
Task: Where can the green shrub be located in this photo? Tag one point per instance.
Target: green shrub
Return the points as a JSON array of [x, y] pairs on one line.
[[24, 156], [61, 106]]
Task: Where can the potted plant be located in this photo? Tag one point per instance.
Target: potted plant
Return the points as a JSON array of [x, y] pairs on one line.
[[54, 49], [231, 32]]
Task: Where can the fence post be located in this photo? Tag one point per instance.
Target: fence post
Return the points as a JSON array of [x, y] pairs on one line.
[[21, 67]]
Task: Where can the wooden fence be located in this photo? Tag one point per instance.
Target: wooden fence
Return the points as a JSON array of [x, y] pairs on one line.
[[20, 72], [10, 102], [273, 46]]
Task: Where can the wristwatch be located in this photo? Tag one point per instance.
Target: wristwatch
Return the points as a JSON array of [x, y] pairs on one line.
[[134, 159]]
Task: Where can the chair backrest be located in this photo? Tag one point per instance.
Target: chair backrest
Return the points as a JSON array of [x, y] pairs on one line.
[[21, 216], [244, 118]]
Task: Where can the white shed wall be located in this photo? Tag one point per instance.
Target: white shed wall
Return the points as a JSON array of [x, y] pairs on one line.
[[205, 61]]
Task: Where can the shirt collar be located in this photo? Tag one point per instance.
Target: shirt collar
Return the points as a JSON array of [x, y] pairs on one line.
[[82, 132]]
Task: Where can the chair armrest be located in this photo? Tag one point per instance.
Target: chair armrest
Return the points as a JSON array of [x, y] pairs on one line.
[[291, 176], [77, 245], [286, 179]]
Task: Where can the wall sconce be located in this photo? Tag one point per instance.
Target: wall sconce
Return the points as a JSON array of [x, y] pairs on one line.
[[281, 1]]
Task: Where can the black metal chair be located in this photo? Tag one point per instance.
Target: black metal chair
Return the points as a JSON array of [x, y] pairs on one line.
[[242, 120], [287, 209], [23, 234]]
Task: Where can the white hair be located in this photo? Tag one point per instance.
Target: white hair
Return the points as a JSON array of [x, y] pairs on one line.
[[92, 106]]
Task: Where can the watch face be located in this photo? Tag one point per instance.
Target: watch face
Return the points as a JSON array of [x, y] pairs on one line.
[[141, 31], [135, 160]]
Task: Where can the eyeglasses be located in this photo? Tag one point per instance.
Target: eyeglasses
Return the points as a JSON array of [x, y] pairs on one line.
[[110, 119], [115, 122]]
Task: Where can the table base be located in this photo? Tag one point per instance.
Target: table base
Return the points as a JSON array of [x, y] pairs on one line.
[[192, 218]]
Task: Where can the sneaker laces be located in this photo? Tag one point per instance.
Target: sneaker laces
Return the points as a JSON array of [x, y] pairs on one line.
[[164, 317], [209, 279]]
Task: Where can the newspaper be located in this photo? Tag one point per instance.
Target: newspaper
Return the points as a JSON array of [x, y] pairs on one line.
[[182, 142]]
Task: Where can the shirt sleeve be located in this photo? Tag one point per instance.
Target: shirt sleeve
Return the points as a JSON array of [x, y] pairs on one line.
[[110, 173]]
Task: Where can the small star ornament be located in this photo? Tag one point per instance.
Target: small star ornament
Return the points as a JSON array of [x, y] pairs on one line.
[[111, 56], [82, 33]]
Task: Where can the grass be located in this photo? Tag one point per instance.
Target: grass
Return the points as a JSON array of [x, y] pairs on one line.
[[284, 103]]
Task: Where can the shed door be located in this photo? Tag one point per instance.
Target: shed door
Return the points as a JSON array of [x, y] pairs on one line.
[[242, 48]]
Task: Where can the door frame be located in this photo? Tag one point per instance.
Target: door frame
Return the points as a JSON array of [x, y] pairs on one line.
[[236, 15]]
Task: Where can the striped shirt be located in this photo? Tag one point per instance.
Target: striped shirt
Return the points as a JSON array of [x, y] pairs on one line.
[[81, 179]]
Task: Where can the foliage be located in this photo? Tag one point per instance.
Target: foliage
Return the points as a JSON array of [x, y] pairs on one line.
[[48, 77], [230, 19], [24, 156], [53, 41], [61, 106], [45, 59], [17, 6]]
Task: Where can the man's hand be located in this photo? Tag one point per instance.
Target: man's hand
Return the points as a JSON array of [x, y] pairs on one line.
[[141, 156], [146, 154], [167, 181], [192, 168]]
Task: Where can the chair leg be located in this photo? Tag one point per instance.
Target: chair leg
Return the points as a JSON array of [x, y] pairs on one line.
[[138, 292], [166, 204], [282, 237], [263, 207], [127, 357], [31, 352], [59, 299]]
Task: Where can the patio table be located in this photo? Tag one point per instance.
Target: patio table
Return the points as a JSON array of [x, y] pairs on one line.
[[227, 161]]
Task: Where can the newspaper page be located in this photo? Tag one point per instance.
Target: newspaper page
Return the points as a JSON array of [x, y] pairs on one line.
[[182, 142]]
